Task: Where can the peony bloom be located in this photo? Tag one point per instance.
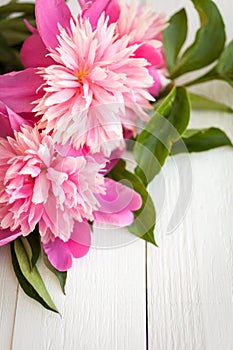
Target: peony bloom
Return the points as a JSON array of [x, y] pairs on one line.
[[142, 25], [79, 81], [59, 189], [9, 121], [93, 78], [145, 28]]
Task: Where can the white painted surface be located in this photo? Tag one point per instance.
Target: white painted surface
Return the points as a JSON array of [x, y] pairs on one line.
[[189, 277]]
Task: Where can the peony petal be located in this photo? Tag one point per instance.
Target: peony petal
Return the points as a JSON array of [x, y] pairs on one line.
[[151, 54], [94, 10], [9, 121], [5, 129], [83, 3], [19, 89], [156, 87], [122, 219], [80, 241], [33, 53], [16, 121], [7, 236], [60, 253], [48, 15], [117, 204], [114, 157]]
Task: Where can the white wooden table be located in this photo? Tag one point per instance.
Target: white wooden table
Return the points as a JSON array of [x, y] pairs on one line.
[[137, 297]]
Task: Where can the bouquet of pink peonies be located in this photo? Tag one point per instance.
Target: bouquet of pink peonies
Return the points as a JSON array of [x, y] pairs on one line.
[[89, 88]]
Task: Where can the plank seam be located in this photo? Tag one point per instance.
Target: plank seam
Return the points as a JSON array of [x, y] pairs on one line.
[[16, 305]]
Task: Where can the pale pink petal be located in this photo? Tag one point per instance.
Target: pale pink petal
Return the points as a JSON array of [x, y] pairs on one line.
[[122, 219], [7, 236], [33, 52], [48, 15], [117, 204], [19, 89], [60, 253]]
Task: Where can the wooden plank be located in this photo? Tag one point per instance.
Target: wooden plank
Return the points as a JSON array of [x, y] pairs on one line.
[[190, 274], [105, 306], [8, 297]]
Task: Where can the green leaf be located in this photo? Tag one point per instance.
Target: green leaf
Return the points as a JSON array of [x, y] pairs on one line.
[[222, 71], [32, 246], [225, 64], [174, 37], [61, 276], [15, 24], [209, 41], [201, 140], [145, 218], [14, 38], [154, 143], [9, 59], [35, 245], [29, 279], [203, 103], [12, 8]]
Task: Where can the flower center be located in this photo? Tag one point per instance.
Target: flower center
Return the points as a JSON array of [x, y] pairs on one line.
[[81, 74]]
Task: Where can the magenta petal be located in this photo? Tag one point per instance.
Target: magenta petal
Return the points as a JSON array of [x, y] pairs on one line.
[[95, 9], [156, 87], [113, 159], [151, 54], [7, 236], [48, 14], [5, 129], [80, 241], [30, 27], [117, 204], [9, 121], [19, 89], [16, 121], [33, 53], [60, 253]]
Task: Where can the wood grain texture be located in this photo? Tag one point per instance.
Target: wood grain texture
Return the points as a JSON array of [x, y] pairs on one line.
[[8, 298], [105, 306], [189, 277]]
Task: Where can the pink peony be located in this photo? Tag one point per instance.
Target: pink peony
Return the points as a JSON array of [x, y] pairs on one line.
[[142, 25], [145, 28], [59, 189], [93, 78]]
